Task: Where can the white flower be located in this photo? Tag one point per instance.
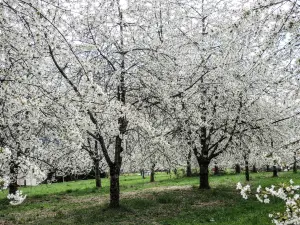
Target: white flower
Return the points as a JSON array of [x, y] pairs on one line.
[[239, 186], [258, 198], [258, 189], [244, 190]]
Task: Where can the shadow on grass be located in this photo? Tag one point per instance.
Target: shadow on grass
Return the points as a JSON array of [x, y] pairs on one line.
[[4, 204], [192, 206], [153, 207], [221, 205], [70, 192]]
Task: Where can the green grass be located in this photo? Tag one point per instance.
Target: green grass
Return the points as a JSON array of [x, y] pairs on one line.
[[169, 200]]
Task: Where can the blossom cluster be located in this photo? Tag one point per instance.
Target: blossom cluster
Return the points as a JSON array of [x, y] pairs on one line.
[[17, 198], [288, 193], [244, 190], [4, 182]]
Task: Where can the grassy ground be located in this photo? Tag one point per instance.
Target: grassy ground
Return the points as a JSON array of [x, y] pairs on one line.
[[169, 200]]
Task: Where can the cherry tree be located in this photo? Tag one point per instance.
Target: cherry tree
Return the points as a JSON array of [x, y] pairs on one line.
[[191, 77], [94, 56]]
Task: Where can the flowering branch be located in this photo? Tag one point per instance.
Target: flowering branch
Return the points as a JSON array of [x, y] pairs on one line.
[[288, 193]]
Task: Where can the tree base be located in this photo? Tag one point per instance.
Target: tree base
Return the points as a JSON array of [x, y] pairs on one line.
[[204, 187]]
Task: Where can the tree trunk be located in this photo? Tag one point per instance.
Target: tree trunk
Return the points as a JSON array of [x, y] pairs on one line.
[[97, 160], [188, 165], [50, 176], [295, 163], [247, 170], [13, 185], [175, 171], [152, 173], [204, 184], [237, 168], [122, 121], [216, 170], [12, 188], [97, 173], [143, 173], [114, 187], [275, 174], [254, 169]]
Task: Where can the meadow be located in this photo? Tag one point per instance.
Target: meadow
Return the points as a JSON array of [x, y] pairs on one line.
[[170, 200]]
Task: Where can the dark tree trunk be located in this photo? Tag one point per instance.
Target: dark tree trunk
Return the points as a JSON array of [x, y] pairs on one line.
[[114, 187], [13, 185], [175, 171], [97, 173], [268, 168], [50, 176], [216, 170], [152, 173], [204, 184], [97, 160], [254, 169], [237, 168], [247, 170], [12, 188], [115, 168], [188, 169], [188, 165], [143, 173], [275, 172], [295, 163]]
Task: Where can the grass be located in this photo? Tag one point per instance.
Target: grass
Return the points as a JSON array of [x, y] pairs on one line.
[[169, 200]]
